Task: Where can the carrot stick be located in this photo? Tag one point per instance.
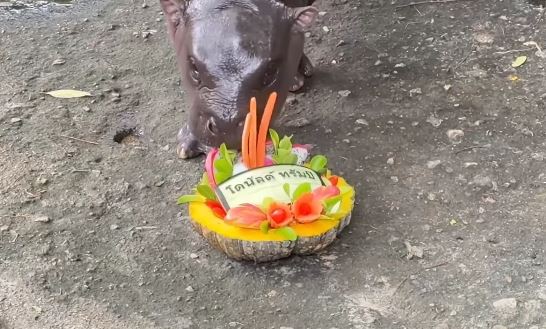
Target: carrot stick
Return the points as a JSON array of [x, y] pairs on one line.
[[264, 128], [253, 133], [244, 147]]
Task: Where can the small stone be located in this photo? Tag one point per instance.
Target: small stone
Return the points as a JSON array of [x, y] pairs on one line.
[[194, 256], [470, 164], [344, 93], [498, 326], [58, 61], [415, 91], [431, 197], [482, 181], [433, 164], [394, 179], [160, 183], [537, 156], [434, 121], [15, 120], [144, 5], [189, 289], [146, 34], [506, 307], [447, 87], [326, 29], [362, 122], [455, 135], [114, 227], [42, 219], [4, 228], [86, 109], [340, 43], [42, 180], [414, 251], [347, 141], [484, 37], [390, 161], [400, 65]]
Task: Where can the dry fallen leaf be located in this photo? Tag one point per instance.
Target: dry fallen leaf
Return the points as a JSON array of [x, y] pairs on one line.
[[519, 61], [68, 93]]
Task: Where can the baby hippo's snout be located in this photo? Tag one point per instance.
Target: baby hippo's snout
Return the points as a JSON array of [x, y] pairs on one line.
[[209, 131]]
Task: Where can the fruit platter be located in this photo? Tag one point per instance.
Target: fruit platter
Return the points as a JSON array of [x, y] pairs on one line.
[[271, 199]]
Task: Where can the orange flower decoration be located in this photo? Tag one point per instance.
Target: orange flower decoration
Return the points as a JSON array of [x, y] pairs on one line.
[[279, 215], [216, 208], [246, 215], [307, 208]]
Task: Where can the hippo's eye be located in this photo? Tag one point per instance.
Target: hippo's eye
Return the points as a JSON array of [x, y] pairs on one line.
[[270, 74], [194, 71], [211, 126]]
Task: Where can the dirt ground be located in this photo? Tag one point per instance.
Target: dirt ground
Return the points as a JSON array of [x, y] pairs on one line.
[[443, 139]]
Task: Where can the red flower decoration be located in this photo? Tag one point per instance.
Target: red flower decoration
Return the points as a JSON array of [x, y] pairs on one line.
[[307, 208], [279, 215], [246, 215], [216, 208], [333, 180]]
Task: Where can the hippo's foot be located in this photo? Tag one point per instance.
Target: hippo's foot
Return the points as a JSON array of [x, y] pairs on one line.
[[306, 67], [305, 70], [188, 146], [297, 83]]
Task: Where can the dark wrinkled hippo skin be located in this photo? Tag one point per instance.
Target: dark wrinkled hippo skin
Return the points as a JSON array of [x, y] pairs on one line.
[[229, 51]]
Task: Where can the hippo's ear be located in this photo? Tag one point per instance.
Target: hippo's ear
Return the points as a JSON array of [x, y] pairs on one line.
[[304, 17], [174, 11]]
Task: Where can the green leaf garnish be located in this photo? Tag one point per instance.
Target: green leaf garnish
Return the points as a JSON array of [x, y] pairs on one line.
[[301, 189], [318, 163], [286, 188], [264, 227], [329, 204], [190, 198], [206, 191], [286, 143], [274, 138], [224, 169], [225, 153], [288, 233]]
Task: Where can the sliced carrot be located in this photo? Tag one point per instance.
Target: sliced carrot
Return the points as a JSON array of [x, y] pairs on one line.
[[253, 132], [264, 128], [244, 147]]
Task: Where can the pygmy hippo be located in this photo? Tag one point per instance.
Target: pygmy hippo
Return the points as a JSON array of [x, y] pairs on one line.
[[229, 51]]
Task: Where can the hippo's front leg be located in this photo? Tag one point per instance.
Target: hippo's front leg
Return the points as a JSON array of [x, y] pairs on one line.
[[305, 70], [188, 145]]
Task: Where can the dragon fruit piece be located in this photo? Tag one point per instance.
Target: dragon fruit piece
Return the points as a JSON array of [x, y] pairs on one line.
[[209, 166]]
